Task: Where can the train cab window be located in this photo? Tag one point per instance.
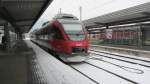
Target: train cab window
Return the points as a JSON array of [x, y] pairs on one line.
[[74, 31]]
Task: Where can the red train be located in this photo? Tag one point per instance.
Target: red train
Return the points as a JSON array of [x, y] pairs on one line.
[[64, 36]]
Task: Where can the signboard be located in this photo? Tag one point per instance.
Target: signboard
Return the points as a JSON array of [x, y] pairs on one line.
[[109, 33], [1, 35]]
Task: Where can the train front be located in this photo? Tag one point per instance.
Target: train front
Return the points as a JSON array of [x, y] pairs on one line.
[[76, 46]]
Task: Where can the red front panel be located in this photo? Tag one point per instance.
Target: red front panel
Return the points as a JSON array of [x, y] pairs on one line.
[[65, 47]]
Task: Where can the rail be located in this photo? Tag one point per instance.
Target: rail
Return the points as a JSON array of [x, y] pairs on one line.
[[117, 50]]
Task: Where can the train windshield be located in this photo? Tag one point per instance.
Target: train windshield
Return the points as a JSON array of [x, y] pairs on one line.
[[74, 31]]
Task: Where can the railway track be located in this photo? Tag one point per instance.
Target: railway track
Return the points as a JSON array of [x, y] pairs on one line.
[[131, 62], [72, 67], [138, 71], [121, 56], [129, 69], [124, 78], [108, 71], [123, 67], [112, 73], [96, 82], [84, 75]]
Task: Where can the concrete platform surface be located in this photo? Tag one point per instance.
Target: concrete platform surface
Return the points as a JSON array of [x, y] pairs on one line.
[[13, 65]]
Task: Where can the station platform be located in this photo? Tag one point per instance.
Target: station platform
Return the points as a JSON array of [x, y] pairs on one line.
[[124, 50], [146, 48], [14, 67], [27, 63], [53, 71]]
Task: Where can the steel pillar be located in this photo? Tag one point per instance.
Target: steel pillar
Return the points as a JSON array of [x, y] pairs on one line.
[[139, 37], [6, 36], [107, 26], [19, 36]]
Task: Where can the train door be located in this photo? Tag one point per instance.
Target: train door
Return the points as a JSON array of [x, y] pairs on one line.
[[58, 40]]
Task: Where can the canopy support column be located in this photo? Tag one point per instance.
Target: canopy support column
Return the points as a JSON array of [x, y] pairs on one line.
[[6, 37]]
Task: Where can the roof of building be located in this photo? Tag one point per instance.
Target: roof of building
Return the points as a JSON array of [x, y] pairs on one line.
[[130, 15], [22, 14]]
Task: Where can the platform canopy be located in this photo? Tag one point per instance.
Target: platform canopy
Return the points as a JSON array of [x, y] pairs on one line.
[[22, 14], [134, 14]]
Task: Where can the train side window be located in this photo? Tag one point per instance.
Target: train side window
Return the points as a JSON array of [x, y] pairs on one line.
[[57, 34], [50, 36]]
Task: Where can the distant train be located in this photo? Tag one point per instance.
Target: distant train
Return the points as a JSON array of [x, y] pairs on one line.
[[65, 36]]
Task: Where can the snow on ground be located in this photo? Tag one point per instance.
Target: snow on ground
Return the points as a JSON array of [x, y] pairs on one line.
[[134, 74], [58, 73], [118, 53], [128, 59], [99, 75], [55, 71]]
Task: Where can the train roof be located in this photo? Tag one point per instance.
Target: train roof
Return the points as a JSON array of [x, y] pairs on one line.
[[65, 16], [69, 21], [61, 18]]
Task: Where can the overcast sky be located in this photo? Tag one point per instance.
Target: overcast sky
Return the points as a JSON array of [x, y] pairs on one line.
[[90, 8]]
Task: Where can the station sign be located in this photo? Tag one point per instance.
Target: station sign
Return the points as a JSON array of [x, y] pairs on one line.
[[109, 33]]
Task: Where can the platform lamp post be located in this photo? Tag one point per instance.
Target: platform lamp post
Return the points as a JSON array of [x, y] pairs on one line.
[[80, 9], [139, 37], [60, 10]]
